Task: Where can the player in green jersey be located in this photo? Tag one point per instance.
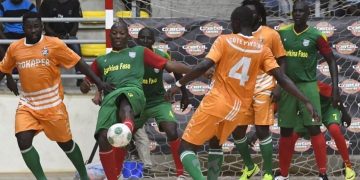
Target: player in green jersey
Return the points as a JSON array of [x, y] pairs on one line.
[[124, 68], [302, 44]]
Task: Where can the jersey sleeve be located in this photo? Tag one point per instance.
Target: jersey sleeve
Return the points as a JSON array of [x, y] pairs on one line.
[[64, 55], [8, 63], [153, 60], [268, 60], [94, 67], [277, 48], [323, 45], [216, 50]]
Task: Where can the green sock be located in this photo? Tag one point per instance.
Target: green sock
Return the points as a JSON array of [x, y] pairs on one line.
[[215, 160], [32, 160], [266, 148], [76, 158], [243, 147], [192, 165]]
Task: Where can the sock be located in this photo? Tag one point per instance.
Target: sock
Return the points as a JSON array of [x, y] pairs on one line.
[[286, 150], [32, 160], [192, 165], [319, 146], [120, 154], [295, 137], [76, 158], [266, 148], [243, 148], [109, 165], [215, 160], [129, 123], [339, 139], [174, 147]]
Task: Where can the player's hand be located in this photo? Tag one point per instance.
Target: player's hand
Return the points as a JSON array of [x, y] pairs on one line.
[[335, 97], [184, 103], [105, 87], [276, 94], [209, 73], [313, 112], [12, 85], [170, 93], [345, 116], [85, 86], [251, 138], [97, 99]]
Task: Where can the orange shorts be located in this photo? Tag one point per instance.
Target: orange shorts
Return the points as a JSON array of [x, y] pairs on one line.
[[261, 111], [202, 127], [53, 121]]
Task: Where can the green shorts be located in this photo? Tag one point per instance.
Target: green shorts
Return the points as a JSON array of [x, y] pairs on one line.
[[293, 112], [108, 113], [162, 112]]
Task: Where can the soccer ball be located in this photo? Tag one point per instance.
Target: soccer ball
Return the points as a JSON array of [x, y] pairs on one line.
[[119, 135]]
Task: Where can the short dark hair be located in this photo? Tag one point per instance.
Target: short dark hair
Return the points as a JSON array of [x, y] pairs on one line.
[[29, 15], [260, 9], [243, 15], [151, 30]]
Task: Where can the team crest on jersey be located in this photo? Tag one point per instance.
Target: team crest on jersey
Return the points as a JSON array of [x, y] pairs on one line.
[[45, 51], [156, 70], [306, 42], [132, 54]]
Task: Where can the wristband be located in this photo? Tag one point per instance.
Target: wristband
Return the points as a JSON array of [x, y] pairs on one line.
[[178, 84]]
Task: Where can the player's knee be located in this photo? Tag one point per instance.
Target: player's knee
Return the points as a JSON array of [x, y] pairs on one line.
[[313, 130], [66, 146], [262, 132], [239, 132], [214, 143], [24, 139], [170, 129], [286, 132], [102, 140]]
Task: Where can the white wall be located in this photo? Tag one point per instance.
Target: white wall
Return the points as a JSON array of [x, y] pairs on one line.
[[82, 115]]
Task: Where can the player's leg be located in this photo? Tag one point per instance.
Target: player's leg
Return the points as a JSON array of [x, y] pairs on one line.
[[26, 126], [215, 159]]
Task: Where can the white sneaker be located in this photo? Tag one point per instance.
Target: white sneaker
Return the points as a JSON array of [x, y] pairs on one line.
[[281, 177], [181, 177]]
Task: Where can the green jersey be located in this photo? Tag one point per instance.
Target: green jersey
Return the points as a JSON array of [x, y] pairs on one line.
[[301, 52], [123, 68], [153, 83]]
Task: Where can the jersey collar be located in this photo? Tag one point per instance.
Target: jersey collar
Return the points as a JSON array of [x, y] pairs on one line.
[[298, 34], [257, 30], [247, 37], [26, 44]]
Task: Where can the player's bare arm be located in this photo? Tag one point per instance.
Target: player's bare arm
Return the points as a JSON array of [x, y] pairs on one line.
[[285, 82], [330, 59], [276, 92], [184, 102], [196, 72]]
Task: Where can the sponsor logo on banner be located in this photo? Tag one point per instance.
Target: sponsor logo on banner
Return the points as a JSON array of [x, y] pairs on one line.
[[355, 125], [156, 128], [212, 29], [174, 30], [198, 88], [166, 86], [176, 108], [345, 47], [134, 29], [302, 145], [350, 86], [357, 67], [325, 28], [161, 46], [228, 146], [355, 28], [256, 146], [194, 48], [332, 144], [275, 128], [324, 68], [152, 145]]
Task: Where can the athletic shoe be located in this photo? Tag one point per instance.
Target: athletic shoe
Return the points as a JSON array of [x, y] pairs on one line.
[[349, 174], [280, 177], [181, 177], [268, 177], [323, 177], [247, 174]]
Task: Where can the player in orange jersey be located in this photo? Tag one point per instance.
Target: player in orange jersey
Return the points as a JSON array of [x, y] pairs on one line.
[[38, 59], [238, 57]]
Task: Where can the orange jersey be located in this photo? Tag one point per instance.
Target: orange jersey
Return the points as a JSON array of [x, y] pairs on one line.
[[271, 39], [238, 60], [39, 70]]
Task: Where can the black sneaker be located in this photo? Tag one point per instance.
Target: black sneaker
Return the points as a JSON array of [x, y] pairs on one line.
[[323, 177]]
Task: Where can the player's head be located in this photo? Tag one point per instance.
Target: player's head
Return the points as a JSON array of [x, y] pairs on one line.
[[119, 35], [258, 10], [241, 17], [300, 12], [32, 26], [146, 37]]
